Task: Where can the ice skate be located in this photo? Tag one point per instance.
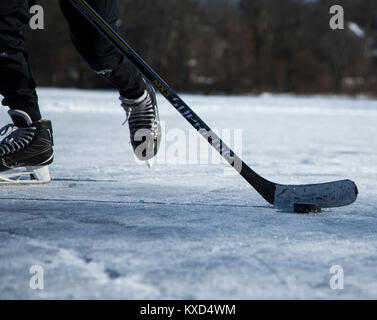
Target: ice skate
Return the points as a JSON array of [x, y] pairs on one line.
[[144, 124], [26, 151]]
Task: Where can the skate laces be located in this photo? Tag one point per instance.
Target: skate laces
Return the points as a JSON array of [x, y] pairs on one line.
[[18, 139], [128, 110], [141, 115]]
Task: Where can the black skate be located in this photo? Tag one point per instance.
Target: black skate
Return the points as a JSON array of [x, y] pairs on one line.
[[144, 124], [29, 145]]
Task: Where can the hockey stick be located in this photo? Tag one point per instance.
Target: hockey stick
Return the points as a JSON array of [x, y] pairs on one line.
[[327, 195]]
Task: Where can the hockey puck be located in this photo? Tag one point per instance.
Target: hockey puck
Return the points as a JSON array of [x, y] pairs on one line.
[[307, 208]]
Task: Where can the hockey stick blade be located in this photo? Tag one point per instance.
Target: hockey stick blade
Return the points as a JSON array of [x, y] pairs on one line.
[[331, 194], [327, 195]]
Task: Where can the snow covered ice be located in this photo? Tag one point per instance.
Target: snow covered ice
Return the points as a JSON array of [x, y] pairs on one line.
[[108, 227]]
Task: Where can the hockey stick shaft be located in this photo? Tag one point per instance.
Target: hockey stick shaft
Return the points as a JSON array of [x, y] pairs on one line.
[[264, 187]]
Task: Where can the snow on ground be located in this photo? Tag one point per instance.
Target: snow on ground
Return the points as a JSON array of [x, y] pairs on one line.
[[108, 227]]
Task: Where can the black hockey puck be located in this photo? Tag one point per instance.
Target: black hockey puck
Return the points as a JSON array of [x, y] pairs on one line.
[[307, 208]]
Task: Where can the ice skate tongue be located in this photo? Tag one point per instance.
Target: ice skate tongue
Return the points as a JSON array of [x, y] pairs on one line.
[[20, 118]]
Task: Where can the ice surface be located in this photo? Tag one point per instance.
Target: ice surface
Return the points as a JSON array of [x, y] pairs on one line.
[[108, 227]]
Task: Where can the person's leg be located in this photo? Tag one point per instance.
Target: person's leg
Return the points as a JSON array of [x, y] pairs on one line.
[[16, 82], [138, 98], [29, 144], [98, 52]]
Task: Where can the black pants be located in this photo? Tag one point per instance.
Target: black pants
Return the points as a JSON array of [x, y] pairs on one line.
[[16, 81]]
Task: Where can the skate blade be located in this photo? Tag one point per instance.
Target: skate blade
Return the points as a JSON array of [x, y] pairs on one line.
[[32, 176], [149, 164]]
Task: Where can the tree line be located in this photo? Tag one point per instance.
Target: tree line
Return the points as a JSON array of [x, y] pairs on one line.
[[227, 46]]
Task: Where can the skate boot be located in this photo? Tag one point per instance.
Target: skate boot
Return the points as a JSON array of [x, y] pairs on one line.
[[144, 124], [28, 145]]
